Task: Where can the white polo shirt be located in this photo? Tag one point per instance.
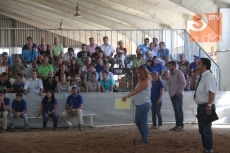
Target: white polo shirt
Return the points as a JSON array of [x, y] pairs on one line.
[[107, 50], [207, 83], [33, 86], [67, 58]]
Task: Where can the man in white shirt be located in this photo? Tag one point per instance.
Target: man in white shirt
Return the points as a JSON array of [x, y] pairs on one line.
[[33, 84], [67, 57], [108, 51], [155, 45], [152, 49], [204, 96]]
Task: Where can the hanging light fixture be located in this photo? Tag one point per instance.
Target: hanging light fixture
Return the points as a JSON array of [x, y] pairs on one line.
[[77, 14], [61, 26]]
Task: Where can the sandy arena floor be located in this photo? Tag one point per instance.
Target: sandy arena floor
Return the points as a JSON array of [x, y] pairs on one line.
[[111, 140]]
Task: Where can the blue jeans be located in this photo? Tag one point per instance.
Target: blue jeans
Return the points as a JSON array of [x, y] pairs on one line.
[[177, 103], [156, 112], [25, 118], [46, 116], [141, 120], [205, 131]]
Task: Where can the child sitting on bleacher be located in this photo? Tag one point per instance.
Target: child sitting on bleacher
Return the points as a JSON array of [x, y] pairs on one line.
[[18, 85]]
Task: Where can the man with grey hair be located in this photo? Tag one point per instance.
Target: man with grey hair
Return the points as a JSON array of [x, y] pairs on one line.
[[57, 48], [16, 69], [92, 45]]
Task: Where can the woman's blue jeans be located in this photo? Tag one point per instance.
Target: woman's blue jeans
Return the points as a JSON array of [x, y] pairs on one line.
[[156, 113], [46, 116], [141, 120]]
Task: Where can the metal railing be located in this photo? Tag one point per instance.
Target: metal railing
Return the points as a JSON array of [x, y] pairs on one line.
[[16, 37], [193, 48]]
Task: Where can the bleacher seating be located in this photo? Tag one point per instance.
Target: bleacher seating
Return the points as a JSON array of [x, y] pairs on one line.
[[128, 59], [176, 57]]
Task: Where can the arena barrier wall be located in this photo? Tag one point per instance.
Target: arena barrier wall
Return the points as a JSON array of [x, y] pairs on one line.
[[103, 104]]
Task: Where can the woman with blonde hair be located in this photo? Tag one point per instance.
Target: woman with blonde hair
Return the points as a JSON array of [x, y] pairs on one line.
[[3, 66], [142, 102], [156, 100], [121, 53]]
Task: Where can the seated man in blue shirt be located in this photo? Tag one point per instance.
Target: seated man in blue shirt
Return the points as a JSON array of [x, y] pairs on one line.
[[73, 107], [30, 57], [19, 109], [148, 65], [99, 67], [29, 41], [193, 64], [163, 52], [157, 66], [4, 110], [144, 47]]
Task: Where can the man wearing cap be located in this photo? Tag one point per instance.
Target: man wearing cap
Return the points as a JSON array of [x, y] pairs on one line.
[[67, 57], [139, 60], [73, 107], [193, 64], [6, 59]]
